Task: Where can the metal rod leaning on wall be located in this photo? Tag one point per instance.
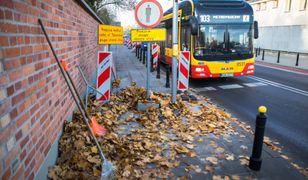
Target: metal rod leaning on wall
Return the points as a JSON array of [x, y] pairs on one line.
[[278, 57], [80, 105], [88, 86], [297, 59]]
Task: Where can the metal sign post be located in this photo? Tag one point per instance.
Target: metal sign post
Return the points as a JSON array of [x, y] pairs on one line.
[[174, 49], [148, 14], [148, 69]]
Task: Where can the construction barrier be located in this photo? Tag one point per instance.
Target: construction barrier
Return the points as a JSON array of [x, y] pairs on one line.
[[184, 63], [104, 75], [155, 48]]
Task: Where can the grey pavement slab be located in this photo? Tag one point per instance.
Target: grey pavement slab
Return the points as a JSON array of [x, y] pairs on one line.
[[237, 145], [285, 59]]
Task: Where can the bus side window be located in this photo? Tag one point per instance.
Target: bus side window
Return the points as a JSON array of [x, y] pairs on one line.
[[169, 38], [185, 38]]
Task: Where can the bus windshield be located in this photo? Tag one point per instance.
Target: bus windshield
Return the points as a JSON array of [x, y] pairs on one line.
[[223, 42]]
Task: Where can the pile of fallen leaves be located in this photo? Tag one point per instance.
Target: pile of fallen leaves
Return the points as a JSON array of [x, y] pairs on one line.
[[140, 144]]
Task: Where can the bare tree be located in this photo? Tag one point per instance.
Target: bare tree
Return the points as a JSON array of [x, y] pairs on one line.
[[97, 5]]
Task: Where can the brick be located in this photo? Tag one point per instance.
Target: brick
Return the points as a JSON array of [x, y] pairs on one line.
[[2, 153], [18, 135], [21, 7], [7, 174], [23, 61], [28, 70], [14, 75], [6, 133], [26, 50], [5, 120], [1, 67], [10, 90], [24, 142], [1, 14], [11, 64], [20, 121], [10, 144], [18, 173], [12, 52], [1, 54], [38, 163], [13, 41], [18, 98], [46, 151], [4, 41], [13, 113], [8, 14], [2, 94], [4, 106], [3, 80], [8, 28], [24, 29], [31, 176], [7, 3], [23, 155], [11, 157], [29, 157]]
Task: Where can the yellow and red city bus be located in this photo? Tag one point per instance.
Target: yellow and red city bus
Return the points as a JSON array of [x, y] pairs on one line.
[[219, 35]]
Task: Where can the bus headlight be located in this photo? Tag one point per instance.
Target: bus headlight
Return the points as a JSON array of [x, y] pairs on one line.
[[199, 69], [251, 67]]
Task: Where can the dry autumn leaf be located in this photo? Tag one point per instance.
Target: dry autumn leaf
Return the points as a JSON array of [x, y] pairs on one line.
[[212, 160]]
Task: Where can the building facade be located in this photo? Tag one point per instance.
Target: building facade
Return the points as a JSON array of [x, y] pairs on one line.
[[283, 24], [34, 98]]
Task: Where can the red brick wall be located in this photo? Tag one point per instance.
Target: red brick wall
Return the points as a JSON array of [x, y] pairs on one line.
[[34, 97]]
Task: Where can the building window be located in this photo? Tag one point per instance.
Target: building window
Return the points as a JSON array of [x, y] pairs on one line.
[[288, 5], [263, 6], [275, 4], [303, 4], [257, 7]]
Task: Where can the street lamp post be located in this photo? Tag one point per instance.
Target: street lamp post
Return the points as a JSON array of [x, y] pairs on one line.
[[174, 49]]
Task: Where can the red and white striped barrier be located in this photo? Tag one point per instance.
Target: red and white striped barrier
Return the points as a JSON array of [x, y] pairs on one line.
[[155, 54], [104, 75], [184, 65]]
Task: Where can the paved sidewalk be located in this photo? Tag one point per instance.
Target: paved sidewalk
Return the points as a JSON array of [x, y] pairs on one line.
[[227, 154], [288, 60]]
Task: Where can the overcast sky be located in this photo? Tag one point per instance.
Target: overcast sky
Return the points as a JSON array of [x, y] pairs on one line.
[[127, 17]]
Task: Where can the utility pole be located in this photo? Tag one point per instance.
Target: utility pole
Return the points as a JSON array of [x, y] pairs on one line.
[[175, 49]]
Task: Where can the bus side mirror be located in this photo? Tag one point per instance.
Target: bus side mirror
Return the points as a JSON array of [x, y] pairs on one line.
[[193, 25], [256, 29]]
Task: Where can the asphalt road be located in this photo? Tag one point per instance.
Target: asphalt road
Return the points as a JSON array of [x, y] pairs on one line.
[[285, 95]]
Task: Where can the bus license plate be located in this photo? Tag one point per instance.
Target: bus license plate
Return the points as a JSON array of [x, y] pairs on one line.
[[227, 75]]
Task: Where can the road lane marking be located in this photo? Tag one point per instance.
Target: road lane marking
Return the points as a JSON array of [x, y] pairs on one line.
[[255, 84], [281, 69], [231, 86], [206, 89], [282, 86]]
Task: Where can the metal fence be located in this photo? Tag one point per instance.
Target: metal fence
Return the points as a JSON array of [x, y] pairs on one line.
[[296, 56]]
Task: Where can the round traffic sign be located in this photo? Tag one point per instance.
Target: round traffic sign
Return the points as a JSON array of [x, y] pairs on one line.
[[148, 13]]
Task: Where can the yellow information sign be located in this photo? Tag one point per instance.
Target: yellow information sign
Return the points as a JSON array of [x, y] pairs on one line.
[[146, 35], [110, 34]]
